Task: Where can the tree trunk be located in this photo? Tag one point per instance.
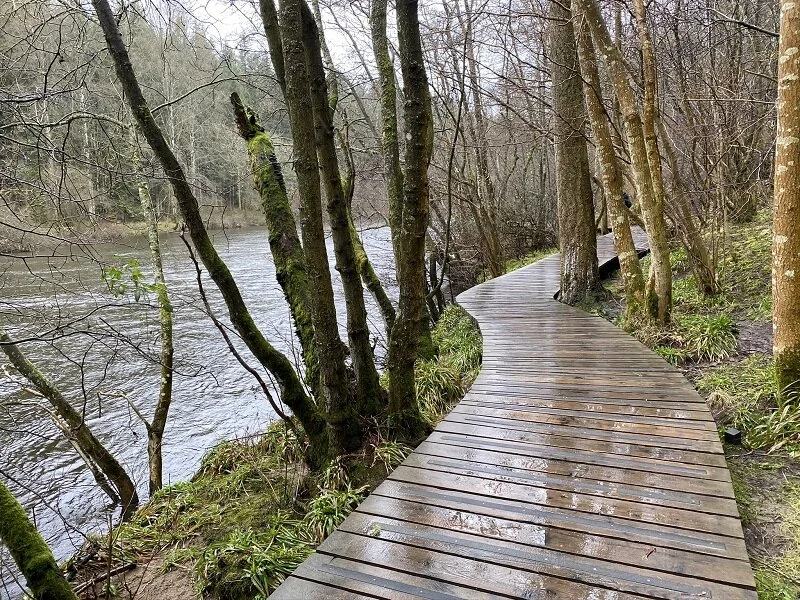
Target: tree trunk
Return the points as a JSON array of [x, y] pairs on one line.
[[631, 270], [389, 131], [699, 258], [155, 430], [363, 264], [292, 392], [284, 241], [576, 230], [30, 552], [77, 427], [786, 225], [343, 425], [418, 132], [367, 384], [658, 292]]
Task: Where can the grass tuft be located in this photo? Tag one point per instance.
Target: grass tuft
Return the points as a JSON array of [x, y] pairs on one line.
[[517, 263], [442, 381]]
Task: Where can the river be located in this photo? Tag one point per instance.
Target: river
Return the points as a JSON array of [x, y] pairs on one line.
[[104, 352]]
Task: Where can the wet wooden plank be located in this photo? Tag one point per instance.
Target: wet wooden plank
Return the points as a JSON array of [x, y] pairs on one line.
[[480, 575], [564, 435], [646, 555], [695, 494], [608, 407], [541, 414], [579, 466], [511, 553], [639, 512]]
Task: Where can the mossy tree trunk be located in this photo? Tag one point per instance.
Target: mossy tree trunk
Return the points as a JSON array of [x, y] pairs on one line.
[[413, 222], [367, 384], [658, 291], [341, 415], [77, 428], [30, 552], [390, 145], [631, 270], [786, 211], [284, 241], [579, 270], [292, 391], [155, 429]]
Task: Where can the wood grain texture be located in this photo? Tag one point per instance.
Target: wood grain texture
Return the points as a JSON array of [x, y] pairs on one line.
[[580, 466]]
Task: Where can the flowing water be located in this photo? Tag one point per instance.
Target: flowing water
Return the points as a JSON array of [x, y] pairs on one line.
[[104, 357]]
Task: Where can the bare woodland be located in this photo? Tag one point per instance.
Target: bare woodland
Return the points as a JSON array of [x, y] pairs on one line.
[[477, 132]]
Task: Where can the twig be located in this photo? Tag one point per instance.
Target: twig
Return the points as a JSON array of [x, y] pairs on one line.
[[221, 328], [104, 576]]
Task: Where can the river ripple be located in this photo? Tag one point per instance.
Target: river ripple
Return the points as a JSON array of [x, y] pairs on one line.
[[214, 398]]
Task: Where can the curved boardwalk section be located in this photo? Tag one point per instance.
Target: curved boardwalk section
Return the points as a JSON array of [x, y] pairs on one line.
[[579, 466]]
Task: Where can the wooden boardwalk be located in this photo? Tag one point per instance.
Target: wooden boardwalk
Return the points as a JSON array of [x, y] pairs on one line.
[[579, 466]]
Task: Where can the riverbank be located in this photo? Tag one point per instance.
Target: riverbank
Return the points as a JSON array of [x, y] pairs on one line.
[[253, 512], [724, 346], [22, 237]]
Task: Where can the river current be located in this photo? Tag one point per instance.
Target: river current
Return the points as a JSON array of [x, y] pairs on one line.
[[104, 357]]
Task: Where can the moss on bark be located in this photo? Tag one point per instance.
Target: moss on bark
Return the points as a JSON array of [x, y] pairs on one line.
[[284, 241], [30, 552]]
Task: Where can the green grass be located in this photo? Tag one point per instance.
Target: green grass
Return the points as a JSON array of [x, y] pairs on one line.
[[513, 264], [743, 394], [442, 381], [690, 337]]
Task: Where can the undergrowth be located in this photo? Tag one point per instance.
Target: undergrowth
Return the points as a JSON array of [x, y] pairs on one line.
[[252, 513], [517, 263], [443, 380], [741, 392]]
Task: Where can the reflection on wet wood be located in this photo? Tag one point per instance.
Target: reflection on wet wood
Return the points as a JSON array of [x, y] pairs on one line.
[[579, 466]]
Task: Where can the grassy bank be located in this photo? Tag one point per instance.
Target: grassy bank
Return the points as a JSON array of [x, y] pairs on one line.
[[253, 512], [723, 344]]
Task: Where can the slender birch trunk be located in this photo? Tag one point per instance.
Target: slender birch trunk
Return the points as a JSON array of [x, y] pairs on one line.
[[786, 225]]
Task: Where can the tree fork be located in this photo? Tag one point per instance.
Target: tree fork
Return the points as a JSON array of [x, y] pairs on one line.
[[367, 382], [341, 415], [630, 268], [658, 291]]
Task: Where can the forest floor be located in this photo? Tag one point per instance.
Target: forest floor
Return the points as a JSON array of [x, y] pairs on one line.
[[253, 512], [724, 346]]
